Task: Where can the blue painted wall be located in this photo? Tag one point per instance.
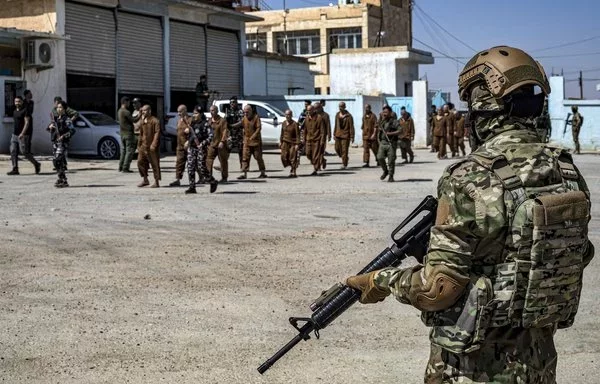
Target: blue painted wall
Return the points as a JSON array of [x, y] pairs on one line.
[[558, 108]]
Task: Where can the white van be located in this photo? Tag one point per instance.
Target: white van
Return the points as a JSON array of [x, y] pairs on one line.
[[270, 117]]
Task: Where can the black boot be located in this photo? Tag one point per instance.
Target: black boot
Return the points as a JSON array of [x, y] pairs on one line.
[[15, 171], [191, 189], [213, 185], [384, 175]]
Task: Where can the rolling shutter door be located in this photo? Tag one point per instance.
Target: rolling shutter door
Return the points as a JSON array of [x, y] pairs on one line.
[[187, 55], [224, 60], [91, 50], [140, 41]]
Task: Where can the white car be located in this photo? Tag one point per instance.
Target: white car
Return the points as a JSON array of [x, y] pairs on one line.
[[270, 117], [96, 134]]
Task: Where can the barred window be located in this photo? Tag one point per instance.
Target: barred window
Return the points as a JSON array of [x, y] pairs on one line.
[[299, 42], [256, 41], [344, 38]]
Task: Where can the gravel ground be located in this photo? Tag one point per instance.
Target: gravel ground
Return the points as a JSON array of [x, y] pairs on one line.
[[201, 290]]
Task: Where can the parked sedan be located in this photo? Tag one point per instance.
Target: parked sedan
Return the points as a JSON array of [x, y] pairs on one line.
[[97, 134]]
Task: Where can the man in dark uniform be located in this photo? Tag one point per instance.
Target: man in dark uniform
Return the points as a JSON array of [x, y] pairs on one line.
[[234, 118], [388, 143]]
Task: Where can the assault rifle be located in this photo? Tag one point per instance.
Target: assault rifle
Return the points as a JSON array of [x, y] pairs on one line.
[[567, 122], [337, 299]]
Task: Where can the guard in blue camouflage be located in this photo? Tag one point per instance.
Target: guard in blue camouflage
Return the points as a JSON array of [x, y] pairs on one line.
[[506, 255], [61, 130], [234, 117], [199, 135]]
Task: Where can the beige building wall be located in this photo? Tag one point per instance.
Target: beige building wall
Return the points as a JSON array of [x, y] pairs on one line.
[[30, 15], [372, 16]]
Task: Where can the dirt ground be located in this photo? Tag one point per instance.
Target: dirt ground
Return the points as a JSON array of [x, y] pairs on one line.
[[201, 291]]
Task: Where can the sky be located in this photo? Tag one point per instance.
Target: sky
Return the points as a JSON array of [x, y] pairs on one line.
[[562, 35]]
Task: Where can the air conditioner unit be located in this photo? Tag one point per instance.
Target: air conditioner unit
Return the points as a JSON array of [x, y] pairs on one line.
[[40, 53]]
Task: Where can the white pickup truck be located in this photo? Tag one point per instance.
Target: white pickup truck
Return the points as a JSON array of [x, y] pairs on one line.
[[270, 117]]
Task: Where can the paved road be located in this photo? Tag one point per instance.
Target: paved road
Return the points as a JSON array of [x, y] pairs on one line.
[[91, 292]]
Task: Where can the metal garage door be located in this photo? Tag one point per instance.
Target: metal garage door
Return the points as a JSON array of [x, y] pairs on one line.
[[187, 55], [91, 50], [224, 61], [140, 44]]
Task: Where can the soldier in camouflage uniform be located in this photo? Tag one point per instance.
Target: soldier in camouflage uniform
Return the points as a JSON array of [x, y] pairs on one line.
[[61, 130], [234, 117], [576, 123], [199, 135], [301, 120], [506, 256]]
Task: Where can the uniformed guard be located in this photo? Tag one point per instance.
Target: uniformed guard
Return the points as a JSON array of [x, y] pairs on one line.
[[388, 143], [199, 135], [301, 120], [289, 141], [234, 117], [61, 130], [344, 133], [369, 135], [506, 255], [576, 123]]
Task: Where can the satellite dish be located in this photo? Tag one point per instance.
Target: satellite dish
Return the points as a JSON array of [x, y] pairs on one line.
[[45, 53]]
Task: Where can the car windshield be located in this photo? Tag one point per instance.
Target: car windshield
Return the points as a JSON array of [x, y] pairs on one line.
[[99, 119]]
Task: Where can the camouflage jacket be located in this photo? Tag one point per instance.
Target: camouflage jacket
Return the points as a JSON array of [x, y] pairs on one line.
[[470, 235], [236, 134]]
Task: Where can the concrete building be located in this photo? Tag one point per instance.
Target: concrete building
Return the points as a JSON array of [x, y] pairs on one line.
[[100, 50], [268, 74], [318, 32]]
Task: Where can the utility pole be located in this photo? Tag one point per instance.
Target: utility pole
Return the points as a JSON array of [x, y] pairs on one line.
[[285, 37], [580, 85]]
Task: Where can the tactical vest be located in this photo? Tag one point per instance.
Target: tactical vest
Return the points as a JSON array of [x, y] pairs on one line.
[[539, 283]]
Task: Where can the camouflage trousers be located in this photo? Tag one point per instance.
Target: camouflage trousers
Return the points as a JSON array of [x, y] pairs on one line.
[[196, 162], [59, 158], [507, 356]]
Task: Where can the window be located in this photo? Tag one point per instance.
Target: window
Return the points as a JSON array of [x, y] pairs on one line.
[[317, 91], [344, 38], [262, 112], [257, 41], [328, 91], [299, 42]]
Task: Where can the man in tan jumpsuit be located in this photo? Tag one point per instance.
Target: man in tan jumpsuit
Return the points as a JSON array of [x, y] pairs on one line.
[[218, 146], [407, 135], [289, 142], [252, 143], [180, 152], [344, 133], [327, 121], [369, 130], [148, 147], [460, 133], [439, 134], [315, 134]]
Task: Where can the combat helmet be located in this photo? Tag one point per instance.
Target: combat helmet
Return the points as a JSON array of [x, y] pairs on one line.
[[498, 83]]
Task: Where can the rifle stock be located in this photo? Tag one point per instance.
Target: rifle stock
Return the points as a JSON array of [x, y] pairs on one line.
[[567, 122], [336, 300]]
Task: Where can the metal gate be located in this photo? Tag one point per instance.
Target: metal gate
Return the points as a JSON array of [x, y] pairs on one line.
[[140, 44], [91, 49], [224, 62], [187, 54]]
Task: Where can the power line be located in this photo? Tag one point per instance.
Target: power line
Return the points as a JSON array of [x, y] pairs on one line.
[[442, 28], [429, 31], [565, 44], [438, 51]]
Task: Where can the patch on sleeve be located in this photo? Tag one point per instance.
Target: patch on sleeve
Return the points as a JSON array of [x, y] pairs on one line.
[[443, 212]]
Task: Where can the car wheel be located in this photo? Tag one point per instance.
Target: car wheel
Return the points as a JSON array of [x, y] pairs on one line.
[[108, 148]]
